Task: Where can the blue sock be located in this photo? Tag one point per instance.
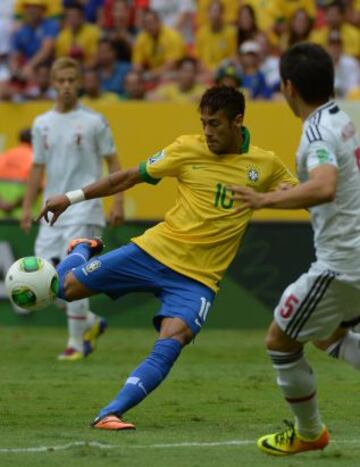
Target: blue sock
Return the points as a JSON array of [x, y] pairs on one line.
[[79, 255], [147, 376]]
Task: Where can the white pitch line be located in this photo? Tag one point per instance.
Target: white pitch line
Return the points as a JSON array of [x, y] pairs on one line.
[[95, 444]]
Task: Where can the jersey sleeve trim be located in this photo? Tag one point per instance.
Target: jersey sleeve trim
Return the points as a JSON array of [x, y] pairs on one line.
[[145, 176]]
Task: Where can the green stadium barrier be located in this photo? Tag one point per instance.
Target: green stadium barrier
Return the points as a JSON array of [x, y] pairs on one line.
[[271, 256]]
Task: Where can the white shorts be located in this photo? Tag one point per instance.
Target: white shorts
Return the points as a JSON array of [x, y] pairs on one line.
[[52, 242], [319, 302]]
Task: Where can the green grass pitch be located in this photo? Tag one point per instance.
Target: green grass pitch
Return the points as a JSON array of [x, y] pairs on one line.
[[219, 398]]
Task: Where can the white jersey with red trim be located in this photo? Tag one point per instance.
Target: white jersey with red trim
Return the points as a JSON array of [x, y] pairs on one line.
[[329, 137], [72, 146]]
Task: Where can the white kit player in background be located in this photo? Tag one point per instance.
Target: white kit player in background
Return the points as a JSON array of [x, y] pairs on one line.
[[323, 305], [70, 143]]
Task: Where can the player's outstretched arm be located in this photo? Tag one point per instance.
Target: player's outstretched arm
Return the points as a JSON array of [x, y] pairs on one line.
[[319, 189], [107, 186]]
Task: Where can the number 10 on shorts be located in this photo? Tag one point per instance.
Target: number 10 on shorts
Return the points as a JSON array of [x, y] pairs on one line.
[[203, 312]]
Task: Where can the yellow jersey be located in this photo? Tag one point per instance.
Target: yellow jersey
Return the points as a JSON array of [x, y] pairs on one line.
[[171, 92], [212, 48], [200, 235], [350, 37], [84, 42], [151, 53]]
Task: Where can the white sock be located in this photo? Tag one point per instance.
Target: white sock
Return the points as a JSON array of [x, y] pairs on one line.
[[76, 313], [347, 348], [90, 319], [297, 383]]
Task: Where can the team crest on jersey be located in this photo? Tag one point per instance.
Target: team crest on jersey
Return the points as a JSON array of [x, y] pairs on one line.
[[253, 174], [93, 266], [156, 157]]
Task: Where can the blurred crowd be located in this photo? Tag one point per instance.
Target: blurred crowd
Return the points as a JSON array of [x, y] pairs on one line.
[[170, 49]]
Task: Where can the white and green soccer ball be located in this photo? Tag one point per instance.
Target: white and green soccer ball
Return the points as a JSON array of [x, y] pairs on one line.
[[32, 283]]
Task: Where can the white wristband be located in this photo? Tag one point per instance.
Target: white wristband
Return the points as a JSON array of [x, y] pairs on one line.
[[75, 196]]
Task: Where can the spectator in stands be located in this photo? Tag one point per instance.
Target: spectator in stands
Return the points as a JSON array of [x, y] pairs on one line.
[[120, 29], [231, 8], [78, 39], [269, 64], [40, 88], [185, 87], [112, 72], [247, 28], [216, 40], [134, 85], [157, 48], [228, 75], [177, 14], [253, 80], [6, 28], [33, 42], [300, 27], [15, 165], [92, 8], [281, 13], [92, 92], [335, 21], [347, 68]]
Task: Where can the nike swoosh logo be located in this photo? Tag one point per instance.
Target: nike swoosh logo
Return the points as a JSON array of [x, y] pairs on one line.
[[266, 445]]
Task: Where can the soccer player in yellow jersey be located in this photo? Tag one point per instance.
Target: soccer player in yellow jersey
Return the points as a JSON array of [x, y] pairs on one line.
[[182, 259]]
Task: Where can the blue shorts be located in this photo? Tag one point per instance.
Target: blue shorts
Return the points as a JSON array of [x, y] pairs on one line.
[[129, 269]]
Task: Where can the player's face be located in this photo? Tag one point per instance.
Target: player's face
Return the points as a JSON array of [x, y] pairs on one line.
[[222, 134], [67, 84]]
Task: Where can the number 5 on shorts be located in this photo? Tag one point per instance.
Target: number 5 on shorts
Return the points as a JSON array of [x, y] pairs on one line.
[[289, 306]]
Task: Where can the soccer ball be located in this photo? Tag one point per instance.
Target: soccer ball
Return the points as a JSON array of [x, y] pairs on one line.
[[32, 283]]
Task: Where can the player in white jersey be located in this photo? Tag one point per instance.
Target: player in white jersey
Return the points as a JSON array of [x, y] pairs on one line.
[[324, 303], [70, 143]]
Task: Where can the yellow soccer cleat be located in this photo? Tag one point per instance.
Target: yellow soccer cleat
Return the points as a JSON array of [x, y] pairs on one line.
[[92, 334], [71, 355], [289, 442]]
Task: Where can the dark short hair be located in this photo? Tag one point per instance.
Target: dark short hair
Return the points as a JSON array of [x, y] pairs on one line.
[[339, 4], [310, 69], [25, 135], [73, 4], [229, 100]]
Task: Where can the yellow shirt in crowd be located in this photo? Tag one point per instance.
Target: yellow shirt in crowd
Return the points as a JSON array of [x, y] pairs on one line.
[[211, 48], [230, 11], [171, 92], [85, 41], [350, 36], [201, 233], [152, 53]]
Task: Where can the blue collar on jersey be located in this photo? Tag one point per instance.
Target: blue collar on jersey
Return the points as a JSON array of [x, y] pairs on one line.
[[246, 140]]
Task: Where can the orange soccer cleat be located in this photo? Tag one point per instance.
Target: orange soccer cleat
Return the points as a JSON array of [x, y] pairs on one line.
[[111, 422], [96, 245]]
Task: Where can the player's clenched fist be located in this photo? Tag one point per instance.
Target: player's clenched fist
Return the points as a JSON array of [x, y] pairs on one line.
[[56, 205]]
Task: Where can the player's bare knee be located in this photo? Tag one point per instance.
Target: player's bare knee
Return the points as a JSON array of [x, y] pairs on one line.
[[175, 328], [277, 340]]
